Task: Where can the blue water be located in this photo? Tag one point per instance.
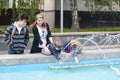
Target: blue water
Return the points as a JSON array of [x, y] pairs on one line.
[[42, 72]]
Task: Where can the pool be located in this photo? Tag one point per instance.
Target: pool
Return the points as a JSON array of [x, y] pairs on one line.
[[43, 72]]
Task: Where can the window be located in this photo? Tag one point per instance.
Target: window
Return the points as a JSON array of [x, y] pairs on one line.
[[42, 5]]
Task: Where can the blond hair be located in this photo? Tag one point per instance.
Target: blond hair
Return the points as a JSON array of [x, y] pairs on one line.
[[39, 15], [58, 44]]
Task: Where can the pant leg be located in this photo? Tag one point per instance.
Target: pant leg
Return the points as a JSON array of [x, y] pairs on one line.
[[73, 51], [56, 56], [65, 46], [11, 51]]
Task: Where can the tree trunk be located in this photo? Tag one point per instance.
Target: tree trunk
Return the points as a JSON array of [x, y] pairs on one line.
[[75, 22]]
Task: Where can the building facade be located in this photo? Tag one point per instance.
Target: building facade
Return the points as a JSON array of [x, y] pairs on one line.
[[102, 17]]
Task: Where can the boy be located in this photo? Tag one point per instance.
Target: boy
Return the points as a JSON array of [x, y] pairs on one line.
[[17, 35], [71, 46], [55, 49]]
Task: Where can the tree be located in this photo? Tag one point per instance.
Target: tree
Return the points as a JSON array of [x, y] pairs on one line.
[[75, 22], [3, 5], [3, 8], [92, 5], [98, 5], [28, 6]]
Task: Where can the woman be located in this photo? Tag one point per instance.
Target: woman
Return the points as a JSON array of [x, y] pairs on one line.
[[42, 35]]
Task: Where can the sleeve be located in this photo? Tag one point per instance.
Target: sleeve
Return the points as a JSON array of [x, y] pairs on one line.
[[49, 36], [26, 36], [36, 35], [7, 36], [48, 29]]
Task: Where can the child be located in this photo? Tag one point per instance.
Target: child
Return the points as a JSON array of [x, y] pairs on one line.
[[17, 35], [55, 49], [71, 46]]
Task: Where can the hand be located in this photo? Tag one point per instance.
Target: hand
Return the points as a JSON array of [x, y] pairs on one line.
[[46, 49], [11, 46]]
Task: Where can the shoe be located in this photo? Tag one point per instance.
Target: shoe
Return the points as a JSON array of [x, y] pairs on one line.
[[76, 60], [60, 62]]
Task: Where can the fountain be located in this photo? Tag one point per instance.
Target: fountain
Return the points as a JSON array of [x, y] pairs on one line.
[[90, 41]]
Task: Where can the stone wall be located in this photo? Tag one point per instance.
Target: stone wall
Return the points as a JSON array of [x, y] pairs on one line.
[[69, 36]]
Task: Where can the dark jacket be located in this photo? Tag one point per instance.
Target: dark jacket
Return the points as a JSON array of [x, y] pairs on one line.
[[37, 40]]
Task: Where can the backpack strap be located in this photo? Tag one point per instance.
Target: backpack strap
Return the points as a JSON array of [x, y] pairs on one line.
[[13, 31]]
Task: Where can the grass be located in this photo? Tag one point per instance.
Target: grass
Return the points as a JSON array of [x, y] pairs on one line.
[[54, 30], [101, 29], [86, 29], [3, 27]]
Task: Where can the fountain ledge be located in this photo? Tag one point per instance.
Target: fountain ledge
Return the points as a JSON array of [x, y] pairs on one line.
[[27, 58]]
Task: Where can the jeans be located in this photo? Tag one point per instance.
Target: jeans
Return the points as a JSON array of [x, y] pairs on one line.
[[73, 51], [56, 56], [12, 51], [65, 45]]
